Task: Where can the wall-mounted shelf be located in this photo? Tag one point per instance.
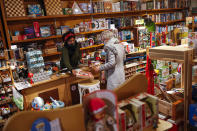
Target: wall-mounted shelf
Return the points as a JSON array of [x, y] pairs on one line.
[[86, 16], [1, 58], [169, 22], [84, 48], [90, 32], [94, 46], [36, 39], [54, 37], [138, 52], [52, 54]]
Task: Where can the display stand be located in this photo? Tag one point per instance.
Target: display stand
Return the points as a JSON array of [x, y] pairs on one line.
[[72, 118], [185, 57]]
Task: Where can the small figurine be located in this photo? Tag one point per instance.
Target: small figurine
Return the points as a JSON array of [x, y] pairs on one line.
[[99, 121], [30, 75], [57, 104]]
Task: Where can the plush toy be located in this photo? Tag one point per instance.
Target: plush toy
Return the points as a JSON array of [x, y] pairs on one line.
[[100, 120]]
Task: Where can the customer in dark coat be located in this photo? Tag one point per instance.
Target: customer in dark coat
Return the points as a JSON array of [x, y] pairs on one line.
[[71, 54]]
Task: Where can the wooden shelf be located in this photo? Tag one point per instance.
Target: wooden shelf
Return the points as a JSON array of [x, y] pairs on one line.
[[129, 27], [46, 55], [54, 37], [1, 57], [169, 22], [4, 68], [90, 32], [36, 39], [86, 16], [94, 46], [138, 52]]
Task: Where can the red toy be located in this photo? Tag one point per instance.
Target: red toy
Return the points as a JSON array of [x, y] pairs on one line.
[[30, 75], [100, 120]]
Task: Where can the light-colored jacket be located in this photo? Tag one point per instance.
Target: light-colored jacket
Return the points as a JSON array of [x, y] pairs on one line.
[[114, 63]]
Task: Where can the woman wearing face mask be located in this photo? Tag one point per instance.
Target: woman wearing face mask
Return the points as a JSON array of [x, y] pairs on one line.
[[114, 63], [70, 52]]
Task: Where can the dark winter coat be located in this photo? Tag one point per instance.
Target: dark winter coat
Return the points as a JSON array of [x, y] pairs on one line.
[[70, 56]]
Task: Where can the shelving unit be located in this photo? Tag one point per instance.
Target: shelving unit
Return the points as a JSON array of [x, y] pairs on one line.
[[169, 22], [90, 47], [96, 15], [59, 18], [185, 57], [2, 39], [53, 37]]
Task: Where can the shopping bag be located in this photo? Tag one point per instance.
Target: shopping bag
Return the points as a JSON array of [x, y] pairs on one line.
[[17, 98]]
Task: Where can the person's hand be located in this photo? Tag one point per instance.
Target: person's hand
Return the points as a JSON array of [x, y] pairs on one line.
[[103, 77], [91, 77], [74, 72], [96, 68]]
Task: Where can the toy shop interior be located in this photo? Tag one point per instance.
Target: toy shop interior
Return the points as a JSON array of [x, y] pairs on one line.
[[98, 65]]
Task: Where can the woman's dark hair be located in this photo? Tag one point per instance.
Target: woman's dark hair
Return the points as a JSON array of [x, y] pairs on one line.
[[67, 36]]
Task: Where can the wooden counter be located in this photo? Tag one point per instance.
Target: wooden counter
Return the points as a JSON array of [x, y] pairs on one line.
[[58, 87]]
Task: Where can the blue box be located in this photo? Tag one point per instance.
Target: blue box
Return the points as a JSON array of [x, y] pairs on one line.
[[34, 9], [193, 114]]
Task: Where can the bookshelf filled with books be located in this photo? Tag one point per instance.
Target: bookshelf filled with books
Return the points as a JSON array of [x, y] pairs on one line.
[[37, 21]]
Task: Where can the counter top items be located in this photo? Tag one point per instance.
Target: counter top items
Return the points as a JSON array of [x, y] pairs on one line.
[[22, 85], [41, 76], [56, 104], [83, 74], [38, 104]]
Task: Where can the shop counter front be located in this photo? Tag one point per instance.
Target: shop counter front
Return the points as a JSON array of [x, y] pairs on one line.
[[58, 87]]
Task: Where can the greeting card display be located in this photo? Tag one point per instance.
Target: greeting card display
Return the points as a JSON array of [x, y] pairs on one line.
[[100, 110]]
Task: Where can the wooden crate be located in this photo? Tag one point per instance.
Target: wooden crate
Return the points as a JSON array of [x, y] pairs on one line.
[[172, 109]]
